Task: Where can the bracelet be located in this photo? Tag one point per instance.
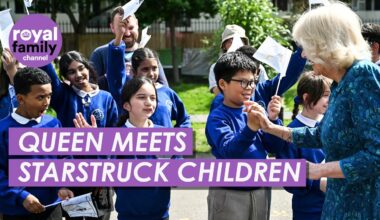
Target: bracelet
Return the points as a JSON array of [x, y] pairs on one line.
[[287, 134]]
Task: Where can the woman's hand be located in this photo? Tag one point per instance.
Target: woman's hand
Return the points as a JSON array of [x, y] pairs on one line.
[[257, 115]]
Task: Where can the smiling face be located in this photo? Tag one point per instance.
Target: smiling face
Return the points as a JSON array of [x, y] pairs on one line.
[[131, 33], [131, 30], [148, 68], [142, 104], [36, 102], [234, 93], [321, 106], [78, 75]]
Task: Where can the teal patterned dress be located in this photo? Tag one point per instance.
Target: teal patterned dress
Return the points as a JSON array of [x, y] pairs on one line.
[[350, 134]]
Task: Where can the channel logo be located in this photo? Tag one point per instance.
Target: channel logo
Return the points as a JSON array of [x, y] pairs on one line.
[[35, 40]]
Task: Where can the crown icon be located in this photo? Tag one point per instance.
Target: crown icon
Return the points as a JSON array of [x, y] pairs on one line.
[[25, 34]]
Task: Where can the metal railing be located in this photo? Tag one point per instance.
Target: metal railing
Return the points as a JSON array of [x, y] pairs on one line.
[[194, 25]]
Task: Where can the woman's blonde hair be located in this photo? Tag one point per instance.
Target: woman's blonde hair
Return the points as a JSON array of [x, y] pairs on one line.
[[331, 35]]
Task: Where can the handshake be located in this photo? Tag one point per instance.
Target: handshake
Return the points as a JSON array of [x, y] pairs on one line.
[[258, 118]]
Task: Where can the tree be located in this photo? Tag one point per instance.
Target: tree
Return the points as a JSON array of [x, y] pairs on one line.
[[258, 18], [172, 12], [85, 10]]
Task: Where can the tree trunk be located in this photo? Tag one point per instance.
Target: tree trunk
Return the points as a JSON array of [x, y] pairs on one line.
[[54, 9], [173, 48]]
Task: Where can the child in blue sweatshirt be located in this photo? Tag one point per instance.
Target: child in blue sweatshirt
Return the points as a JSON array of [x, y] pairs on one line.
[[144, 64], [313, 93], [265, 90], [233, 135], [79, 94], [33, 91], [139, 98]]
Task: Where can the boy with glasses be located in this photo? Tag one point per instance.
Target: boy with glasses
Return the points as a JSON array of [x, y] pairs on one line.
[[233, 135], [266, 89]]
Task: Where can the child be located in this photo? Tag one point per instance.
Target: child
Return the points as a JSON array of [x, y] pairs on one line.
[[170, 106], [33, 91], [81, 95], [233, 135], [145, 63], [265, 90], [139, 98], [8, 100], [313, 93]]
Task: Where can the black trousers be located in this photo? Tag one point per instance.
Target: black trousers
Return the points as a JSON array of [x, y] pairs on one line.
[[54, 213]]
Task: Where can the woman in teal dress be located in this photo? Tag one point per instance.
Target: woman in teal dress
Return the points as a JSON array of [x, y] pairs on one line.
[[350, 130]]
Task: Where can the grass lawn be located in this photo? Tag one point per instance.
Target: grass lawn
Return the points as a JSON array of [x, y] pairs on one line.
[[196, 97], [197, 100], [201, 145]]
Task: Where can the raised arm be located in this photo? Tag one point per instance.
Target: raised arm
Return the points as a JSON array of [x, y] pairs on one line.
[[116, 73], [267, 89]]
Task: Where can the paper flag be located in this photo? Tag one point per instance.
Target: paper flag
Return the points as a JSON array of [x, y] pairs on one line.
[[131, 7], [236, 44], [6, 24], [28, 3], [80, 206], [144, 37], [275, 55]]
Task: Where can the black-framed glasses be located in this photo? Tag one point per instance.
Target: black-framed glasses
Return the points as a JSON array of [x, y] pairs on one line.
[[245, 83]]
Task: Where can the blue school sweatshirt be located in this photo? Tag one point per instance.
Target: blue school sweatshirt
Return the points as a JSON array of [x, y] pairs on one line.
[[99, 59], [8, 102], [66, 102], [306, 200], [11, 198], [230, 137], [265, 90], [142, 203], [169, 107]]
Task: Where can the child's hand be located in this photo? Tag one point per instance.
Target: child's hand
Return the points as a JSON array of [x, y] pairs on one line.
[[257, 112], [274, 107], [119, 29], [80, 121], [33, 205], [65, 194], [9, 62], [253, 121]]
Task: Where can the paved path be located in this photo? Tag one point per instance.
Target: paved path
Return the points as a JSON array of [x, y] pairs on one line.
[[191, 204]]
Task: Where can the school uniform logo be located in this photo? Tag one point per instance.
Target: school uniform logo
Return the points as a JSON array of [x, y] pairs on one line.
[[99, 114], [36, 40]]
